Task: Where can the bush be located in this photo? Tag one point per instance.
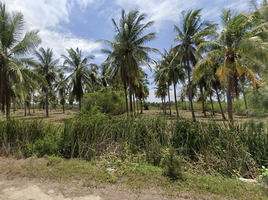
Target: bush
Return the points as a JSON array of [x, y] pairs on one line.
[[171, 164], [106, 100], [264, 176]]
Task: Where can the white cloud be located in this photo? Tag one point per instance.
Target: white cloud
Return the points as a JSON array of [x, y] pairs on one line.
[[42, 13], [60, 42], [47, 16], [161, 11]]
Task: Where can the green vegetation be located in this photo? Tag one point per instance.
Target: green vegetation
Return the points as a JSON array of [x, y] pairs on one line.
[[229, 150], [107, 100]]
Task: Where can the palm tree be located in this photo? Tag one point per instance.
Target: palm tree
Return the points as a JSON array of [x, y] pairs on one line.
[[11, 66], [238, 46], [62, 88], [47, 68], [128, 52], [172, 72], [142, 90], [193, 32], [81, 73]]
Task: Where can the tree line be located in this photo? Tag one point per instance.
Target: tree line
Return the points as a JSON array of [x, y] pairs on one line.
[[213, 61]]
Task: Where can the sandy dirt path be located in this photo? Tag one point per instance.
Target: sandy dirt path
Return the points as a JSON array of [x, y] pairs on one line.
[[28, 190]]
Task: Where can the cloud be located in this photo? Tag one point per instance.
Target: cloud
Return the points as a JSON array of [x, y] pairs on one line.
[[170, 10], [42, 13], [60, 42], [49, 17]]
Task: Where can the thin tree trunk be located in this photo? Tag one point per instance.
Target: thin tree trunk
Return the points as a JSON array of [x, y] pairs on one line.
[[165, 104], [174, 85], [14, 107], [126, 97], [80, 104], [3, 104], [29, 109], [33, 103], [182, 103], [47, 102], [245, 100], [134, 109], [63, 108], [8, 94], [202, 99], [229, 101], [137, 106], [189, 105], [130, 96], [169, 102], [211, 102], [219, 101], [25, 112], [141, 106], [190, 88]]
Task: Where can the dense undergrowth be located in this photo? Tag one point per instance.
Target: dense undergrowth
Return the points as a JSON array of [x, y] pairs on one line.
[[238, 150]]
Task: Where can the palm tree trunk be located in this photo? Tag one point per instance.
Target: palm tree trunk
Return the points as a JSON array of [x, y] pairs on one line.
[[134, 109], [3, 103], [25, 112], [47, 102], [211, 102], [245, 100], [137, 106], [229, 101], [169, 102], [141, 106], [174, 85], [165, 104], [219, 101], [190, 88], [80, 106], [8, 102], [29, 109], [203, 102], [63, 108], [130, 96], [33, 103], [125, 88]]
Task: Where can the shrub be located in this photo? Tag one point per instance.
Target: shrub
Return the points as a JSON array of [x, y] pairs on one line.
[[106, 100], [264, 176]]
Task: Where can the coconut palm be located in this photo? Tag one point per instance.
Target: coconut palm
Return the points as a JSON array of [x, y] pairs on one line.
[[172, 72], [62, 88], [11, 48], [47, 67], [81, 73], [191, 33], [128, 52], [238, 47]]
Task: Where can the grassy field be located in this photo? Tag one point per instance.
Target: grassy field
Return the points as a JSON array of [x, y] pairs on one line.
[[140, 180]]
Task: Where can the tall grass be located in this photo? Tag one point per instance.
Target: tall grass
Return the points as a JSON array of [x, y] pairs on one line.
[[230, 150]]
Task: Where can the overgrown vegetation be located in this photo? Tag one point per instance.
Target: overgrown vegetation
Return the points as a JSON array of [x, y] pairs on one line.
[[237, 150], [107, 100]]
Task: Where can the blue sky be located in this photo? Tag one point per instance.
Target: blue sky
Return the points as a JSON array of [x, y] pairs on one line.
[[79, 23]]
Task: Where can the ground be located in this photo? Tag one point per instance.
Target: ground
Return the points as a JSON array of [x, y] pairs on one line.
[[18, 185], [57, 116]]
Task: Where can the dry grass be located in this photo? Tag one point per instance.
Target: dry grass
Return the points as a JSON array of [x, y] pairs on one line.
[[56, 116]]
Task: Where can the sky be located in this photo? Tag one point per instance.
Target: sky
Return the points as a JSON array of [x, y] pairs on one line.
[[64, 24]]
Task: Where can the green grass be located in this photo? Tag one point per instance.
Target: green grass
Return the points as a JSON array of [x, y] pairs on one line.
[[135, 177]]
